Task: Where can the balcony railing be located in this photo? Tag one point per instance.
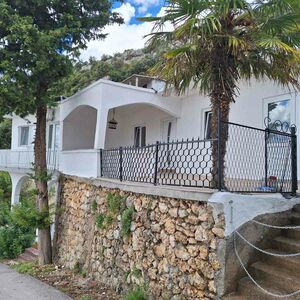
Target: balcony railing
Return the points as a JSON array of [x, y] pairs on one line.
[[255, 160], [23, 159]]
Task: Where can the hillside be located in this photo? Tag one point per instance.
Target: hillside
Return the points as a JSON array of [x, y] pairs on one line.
[[117, 68]]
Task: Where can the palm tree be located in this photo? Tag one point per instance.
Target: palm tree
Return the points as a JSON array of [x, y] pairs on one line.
[[214, 44]]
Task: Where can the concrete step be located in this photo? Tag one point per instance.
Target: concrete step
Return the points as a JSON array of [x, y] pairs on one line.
[[32, 251], [288, 263], [292, 233], [296, 208], [234, 297], [29, 255], [295, 216], [279, 277], [250, 291], [286, 244]]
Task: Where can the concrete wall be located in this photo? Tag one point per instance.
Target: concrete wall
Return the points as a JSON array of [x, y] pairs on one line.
[[135, 115], [79, 128]]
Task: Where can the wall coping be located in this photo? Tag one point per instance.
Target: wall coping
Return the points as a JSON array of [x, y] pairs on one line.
[[177, 192]]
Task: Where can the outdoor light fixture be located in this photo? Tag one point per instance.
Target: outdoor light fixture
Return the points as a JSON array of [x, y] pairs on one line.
[[112, 124]]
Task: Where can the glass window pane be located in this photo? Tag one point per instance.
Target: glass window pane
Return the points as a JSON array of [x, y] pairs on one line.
[[143, 140], [56, 137], [279, 111], [137, 133], [50, 137], [207, 129], [24, 138]]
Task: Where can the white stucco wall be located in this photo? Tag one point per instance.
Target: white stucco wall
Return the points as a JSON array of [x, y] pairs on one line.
[[137, 106], [131, 116]]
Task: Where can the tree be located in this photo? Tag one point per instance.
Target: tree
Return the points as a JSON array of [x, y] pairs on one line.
[[215, 43], [39, 39], [5, 134]]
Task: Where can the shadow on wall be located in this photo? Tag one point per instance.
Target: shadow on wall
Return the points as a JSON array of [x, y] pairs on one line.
[[79, 128]]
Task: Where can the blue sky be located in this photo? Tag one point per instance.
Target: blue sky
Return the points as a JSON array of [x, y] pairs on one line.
[[143, 7], [131, 34]]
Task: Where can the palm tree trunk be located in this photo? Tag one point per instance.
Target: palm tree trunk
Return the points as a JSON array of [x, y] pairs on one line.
[[40, 166], [220, 110]]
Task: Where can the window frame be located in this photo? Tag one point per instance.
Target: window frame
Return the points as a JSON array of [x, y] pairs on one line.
[[20, 135], [142, 140], [288, 96], [205, 114]]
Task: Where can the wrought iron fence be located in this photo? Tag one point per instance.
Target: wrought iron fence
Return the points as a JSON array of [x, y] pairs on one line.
[[258, 160], [184, 163], [253, 160]]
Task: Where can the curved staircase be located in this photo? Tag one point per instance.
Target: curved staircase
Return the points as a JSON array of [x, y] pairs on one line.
[[278, 275]]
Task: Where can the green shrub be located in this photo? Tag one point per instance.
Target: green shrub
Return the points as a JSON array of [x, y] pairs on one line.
[[17, 228], [94, 206], [100, 221], [137, 294], [14, 240], [126, 220], [115, 203]]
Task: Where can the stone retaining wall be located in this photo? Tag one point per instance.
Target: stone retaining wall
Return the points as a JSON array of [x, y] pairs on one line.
[[172, 246]]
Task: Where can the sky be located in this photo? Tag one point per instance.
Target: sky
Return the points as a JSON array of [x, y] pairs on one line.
[[129, 35]]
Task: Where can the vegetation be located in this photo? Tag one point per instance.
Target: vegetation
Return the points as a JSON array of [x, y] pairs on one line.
[[39, 39], [137, 294], [126, 220], [15, 235], [5, 188], [115, 205], [18, 224], [116, 68], [5, 134], [31, 268], [215, 44]]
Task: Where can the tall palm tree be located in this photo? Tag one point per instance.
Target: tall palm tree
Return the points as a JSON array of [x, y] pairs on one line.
[[214, 44]]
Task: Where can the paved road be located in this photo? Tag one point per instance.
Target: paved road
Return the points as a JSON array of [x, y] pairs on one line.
[[15, 286]]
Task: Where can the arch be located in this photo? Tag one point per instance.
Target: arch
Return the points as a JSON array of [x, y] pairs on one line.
[[17, 181], [165, 108], [79, 128]]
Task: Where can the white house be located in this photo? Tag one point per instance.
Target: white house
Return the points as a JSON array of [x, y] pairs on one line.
[[136, 114]]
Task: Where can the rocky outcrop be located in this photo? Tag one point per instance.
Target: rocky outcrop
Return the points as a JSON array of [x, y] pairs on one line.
[[172, 245]]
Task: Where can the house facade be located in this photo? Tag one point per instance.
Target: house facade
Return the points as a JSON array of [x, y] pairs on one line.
[[138, 116]]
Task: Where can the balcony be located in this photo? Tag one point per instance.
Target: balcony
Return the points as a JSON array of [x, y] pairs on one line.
[[23, 159]]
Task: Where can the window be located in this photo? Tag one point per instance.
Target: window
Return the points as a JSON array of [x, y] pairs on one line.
[[53, 137], [24, 136], [139, 136], [50, 137], [279, 110], [207, 125]]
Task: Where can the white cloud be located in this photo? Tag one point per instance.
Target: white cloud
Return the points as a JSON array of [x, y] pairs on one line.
[[127, 11], [120, 37], [144, 5]]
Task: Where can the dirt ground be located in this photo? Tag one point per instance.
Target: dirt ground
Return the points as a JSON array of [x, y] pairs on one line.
[[77, 286]]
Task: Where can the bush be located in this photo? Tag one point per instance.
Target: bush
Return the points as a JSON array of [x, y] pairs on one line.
[[126, 220], [137, 294], [14, 240], [17, 228]]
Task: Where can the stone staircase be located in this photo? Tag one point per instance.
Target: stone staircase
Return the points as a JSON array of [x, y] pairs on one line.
[[278, 275], [28, 255]]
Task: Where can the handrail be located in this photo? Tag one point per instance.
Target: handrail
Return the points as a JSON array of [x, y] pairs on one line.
[[23, 159]]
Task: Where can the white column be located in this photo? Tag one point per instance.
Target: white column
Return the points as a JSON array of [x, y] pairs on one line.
[[17, 181], [101, 126]]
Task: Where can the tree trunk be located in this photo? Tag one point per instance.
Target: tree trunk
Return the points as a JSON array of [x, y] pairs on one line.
[[40, 167], [220, 109]]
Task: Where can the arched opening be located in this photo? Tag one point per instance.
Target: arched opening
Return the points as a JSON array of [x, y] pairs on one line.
[[139, 124], [79, 128]]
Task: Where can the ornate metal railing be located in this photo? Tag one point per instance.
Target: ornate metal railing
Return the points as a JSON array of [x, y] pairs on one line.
[[255, 160]]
